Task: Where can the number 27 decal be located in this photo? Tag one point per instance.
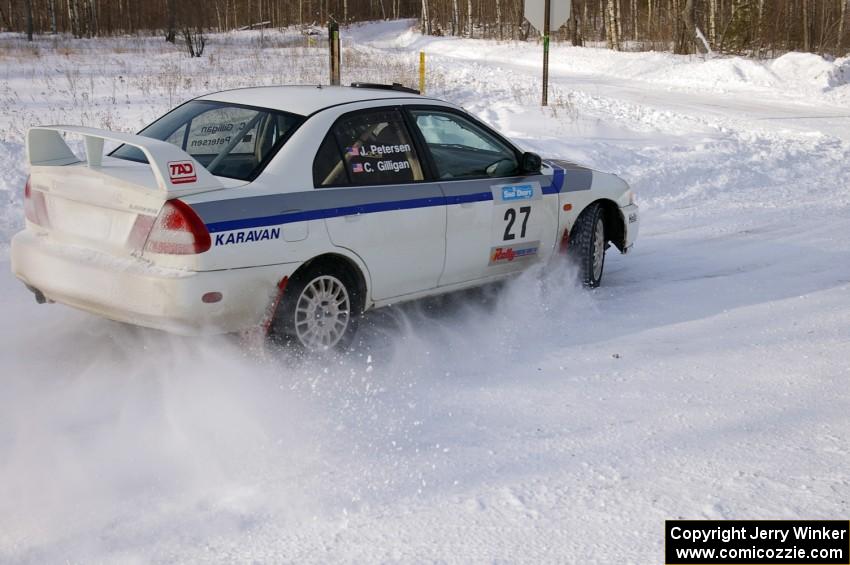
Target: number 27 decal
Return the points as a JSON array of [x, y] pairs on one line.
[[510, 218]]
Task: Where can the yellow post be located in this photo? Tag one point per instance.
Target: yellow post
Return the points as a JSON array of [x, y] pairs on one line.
[[422, 72]]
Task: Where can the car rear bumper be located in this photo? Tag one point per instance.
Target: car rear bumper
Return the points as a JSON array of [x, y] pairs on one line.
[[130, 290]]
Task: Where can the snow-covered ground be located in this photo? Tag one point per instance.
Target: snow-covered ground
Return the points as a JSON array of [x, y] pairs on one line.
[[538, 423]]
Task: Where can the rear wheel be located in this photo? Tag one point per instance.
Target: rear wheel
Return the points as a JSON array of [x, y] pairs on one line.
[[318, 311], [588, 244]]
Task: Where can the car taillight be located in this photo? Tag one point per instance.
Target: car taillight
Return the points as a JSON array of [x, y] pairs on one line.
[[35, 206], [178, 231]]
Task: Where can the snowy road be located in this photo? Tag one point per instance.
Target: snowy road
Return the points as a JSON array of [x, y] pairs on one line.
[[707, 378], [777, 115]]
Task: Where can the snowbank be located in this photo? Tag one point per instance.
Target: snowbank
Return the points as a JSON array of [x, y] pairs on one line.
[[793, 76], [813, 70]]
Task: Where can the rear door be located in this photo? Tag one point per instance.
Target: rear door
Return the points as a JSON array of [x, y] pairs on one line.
[[497, 219], [381, 204]]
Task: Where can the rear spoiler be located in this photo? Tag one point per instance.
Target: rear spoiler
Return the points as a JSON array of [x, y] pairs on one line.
[[175, 172]]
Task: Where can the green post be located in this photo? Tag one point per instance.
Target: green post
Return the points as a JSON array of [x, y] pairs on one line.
[[546, 25]]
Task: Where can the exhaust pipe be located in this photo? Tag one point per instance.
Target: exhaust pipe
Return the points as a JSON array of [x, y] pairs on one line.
[[39, 296]]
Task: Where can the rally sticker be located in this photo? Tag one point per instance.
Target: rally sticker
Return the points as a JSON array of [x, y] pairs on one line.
[[376, 150], [182, 172], [513, 192], [509, 253], [381, 166], [247, 236]]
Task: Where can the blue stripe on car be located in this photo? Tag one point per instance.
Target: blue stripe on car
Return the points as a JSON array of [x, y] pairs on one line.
[[557, 181], [303, 216], [466, 198], [572, 178], [303, 206]]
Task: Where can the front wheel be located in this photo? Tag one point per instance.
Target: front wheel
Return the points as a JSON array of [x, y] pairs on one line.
[[588, 244], [317, 312]]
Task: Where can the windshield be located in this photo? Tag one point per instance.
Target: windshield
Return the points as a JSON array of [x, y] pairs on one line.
[[229, 140]]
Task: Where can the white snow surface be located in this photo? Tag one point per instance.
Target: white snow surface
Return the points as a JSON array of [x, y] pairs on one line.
[[537, 422]]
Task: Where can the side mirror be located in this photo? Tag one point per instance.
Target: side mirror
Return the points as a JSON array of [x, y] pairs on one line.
[[531, 162]]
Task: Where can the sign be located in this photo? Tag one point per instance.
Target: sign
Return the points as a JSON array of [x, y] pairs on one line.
[[545, 15], [559, 13]]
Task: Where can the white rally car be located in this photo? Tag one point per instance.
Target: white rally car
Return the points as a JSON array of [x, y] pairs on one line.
[[296, 208]]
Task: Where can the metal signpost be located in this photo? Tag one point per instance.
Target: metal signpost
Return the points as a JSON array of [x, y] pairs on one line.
[[542, 14], [333, 41]]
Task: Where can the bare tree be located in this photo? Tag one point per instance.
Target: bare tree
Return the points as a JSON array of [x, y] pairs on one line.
[[171, 16], [618, 20], [649, 18], [195, 42], [611, 26], [712, 22], [455, 18], [689, 17], [426, 18], [748, 27], [51, 15], [29, 19], [575, 29], [74, 18], [807, 40]]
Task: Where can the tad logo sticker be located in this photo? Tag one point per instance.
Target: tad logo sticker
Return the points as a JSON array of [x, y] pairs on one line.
[[182, 172]]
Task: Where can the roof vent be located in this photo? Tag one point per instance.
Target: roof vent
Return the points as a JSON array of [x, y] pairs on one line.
[[394, 86]]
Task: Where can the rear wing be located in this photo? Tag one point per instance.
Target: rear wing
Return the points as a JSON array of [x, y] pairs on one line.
[[175, 172]]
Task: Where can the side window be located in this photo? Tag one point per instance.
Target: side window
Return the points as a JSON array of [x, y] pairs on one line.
[[462, 149], [328, 168], [377, 148]]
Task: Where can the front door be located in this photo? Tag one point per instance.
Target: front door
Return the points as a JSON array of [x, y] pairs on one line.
[[497, 219]]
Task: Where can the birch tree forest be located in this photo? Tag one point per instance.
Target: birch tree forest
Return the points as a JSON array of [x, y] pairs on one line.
[[761, 28]]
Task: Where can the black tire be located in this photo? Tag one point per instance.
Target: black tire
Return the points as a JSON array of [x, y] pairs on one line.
[[289, 322], [584, 247]]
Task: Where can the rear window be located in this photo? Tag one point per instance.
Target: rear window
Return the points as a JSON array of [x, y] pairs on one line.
[[229, 140]]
